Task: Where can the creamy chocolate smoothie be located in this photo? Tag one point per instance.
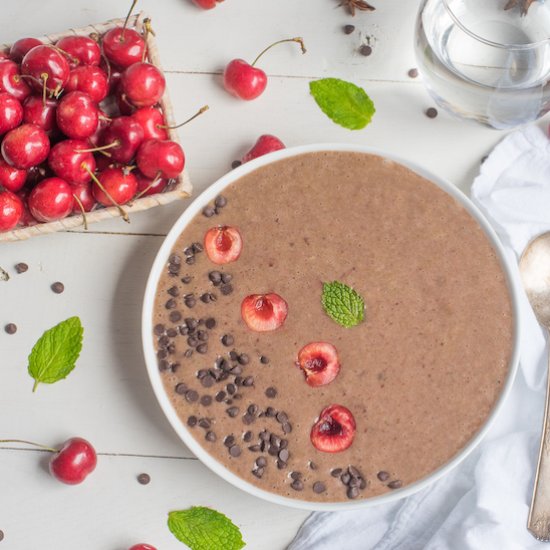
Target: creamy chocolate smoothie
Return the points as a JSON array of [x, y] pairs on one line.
[[417, 377]]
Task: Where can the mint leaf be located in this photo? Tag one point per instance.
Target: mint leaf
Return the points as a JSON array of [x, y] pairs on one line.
[[343, 102], [202, 528], [342, 304], [54, 356]]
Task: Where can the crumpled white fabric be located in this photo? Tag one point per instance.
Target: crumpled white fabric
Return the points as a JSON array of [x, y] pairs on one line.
[[483, 503]]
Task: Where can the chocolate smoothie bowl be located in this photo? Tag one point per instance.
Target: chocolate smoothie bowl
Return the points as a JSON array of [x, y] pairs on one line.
[[327, 328]]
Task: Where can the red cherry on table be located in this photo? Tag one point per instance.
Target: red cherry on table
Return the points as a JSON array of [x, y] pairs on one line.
[[334, 431], [11, 80], [264, 145], [20, 48], [11, 178], [51, 200], [244, 80], [148, 186], [162, 158], [142, 547], [143, 84], [123, 138], [40, 112], [11, 210], [123, 47], [74, 461], [71, 161], [25, 146], [264, 312], [207, 4], [48, 68], [117, 186], [152, 122], [83, 196], [81, 50], [11, 112], [89, 79], [77, 115]]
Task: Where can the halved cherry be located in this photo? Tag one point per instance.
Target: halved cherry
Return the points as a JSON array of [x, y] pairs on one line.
[[334, 431], [264, 312], [223, 244], [319, 361]]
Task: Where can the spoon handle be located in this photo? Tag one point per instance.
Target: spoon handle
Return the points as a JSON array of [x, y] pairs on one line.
[[538, 522]]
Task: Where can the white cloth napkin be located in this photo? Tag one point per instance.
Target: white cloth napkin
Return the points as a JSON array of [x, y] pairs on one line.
[[483, 503]]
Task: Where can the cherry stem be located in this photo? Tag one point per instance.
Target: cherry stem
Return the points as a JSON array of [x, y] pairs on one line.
[[29, 443], [154, 182], [81, 206], [121, 210], [105, 118], [297, 39], [148, 30], [44, 77], [101, 149], [127, 18], [72, 58], [198, 113]]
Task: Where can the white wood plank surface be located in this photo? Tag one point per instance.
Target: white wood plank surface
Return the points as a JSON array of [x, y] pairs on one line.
[[107, 399]]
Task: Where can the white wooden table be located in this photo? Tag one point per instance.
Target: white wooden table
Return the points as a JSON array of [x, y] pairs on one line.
[[107, 399]]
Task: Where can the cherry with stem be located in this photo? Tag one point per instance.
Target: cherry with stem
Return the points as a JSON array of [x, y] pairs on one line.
[[121, 210]]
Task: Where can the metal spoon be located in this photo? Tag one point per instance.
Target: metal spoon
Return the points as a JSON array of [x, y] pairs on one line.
[[534, 267]]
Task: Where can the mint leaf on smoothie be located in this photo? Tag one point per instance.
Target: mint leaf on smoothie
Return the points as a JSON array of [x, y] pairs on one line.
[[55, 354], [343, 304], [202, 528], [343, 102]]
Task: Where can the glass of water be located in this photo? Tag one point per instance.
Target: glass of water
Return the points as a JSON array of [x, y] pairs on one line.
[[487, 60]]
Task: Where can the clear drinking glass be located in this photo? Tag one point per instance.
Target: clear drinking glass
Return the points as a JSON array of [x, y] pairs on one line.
[[487, 60]]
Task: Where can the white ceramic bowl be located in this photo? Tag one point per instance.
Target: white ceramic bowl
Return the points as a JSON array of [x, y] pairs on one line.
[[150, 357]]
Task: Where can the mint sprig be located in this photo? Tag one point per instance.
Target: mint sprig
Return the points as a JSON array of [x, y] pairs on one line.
[[343, 304], [343, 102], [202, 528], [55, 353]]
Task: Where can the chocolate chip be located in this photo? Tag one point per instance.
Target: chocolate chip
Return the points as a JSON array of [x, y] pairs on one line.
[[171, 332], [208, 381], [210, 436], [159, 329], [175, 316], [228, 340], [192, 421], [312, 465], [174, 269], [202, 335], [208, 211], [197, 247], [163, 365], [161, 353], [354, 482], [204, 423], [271, 392], [215, 277], [275, 440], [232, 411], [173, 291], [58, 287], [431, 112], [281, 465], [258, 472], [270, 412], [202, 348], [261, 462], [253, 409], [254, 448], [235, 451], [206, 400], [345, 478], [248, 381], [248, 419], [354, 472], [281, 417], [284, 455], [226, 289], [190, 301], [191, 396], [236, 164], [188, 353], [231, 389], [184, 330], [1, 535], [181, 388], [220, 201], [352, 492], [284, 443], [227, 277], [144, 479], [365, 50], [395, 484], [297, 485], [362, 484], [243, 359], [413, 73], [295, 475], [238, 379], [205, 298], [247, 436], [170, 304], [21, 267], [319, 487], [192, 341], [348, 29], [187, 279], [210, 323], [220, 396], [11, 328], [264, 360], [174, 259], [383, 475]]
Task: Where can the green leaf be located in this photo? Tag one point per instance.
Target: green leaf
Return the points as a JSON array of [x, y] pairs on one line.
[[343, 102], [342, 304], [54, 356], [202, 528]]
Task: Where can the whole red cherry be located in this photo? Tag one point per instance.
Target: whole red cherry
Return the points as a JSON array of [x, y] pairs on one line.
[[119, 186], [40, 112], [51, 200], [152, 122], [81, 50], [207, 4], [89, 79], [11, 80], [20, 48], [11, 112], [77, 115], [25, 146], [27, 218], [11, 210], [143, 84], [123, 47], [11, 178], [83, 193], [160, 158], [69, 162], [47, 67], [148, 186], [126, 135], [74, 461]]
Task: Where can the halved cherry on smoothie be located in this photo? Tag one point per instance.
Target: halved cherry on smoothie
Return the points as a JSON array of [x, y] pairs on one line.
[[264, 312], [223, 244], [319, 361], [334, 431]]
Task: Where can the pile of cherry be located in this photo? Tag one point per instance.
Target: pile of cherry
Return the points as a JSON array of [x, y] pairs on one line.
[[80, 127]]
